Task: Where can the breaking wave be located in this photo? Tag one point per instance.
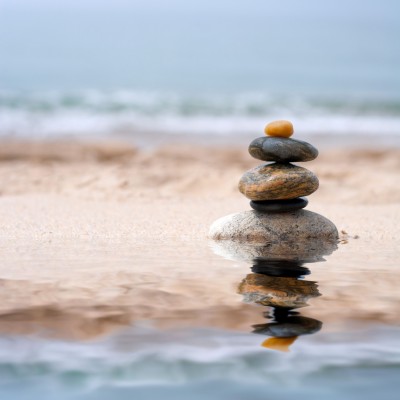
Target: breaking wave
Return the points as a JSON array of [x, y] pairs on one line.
[[96, 113]]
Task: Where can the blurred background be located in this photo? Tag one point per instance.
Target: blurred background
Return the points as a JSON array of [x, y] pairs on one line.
[[198, 68], [113, 118]]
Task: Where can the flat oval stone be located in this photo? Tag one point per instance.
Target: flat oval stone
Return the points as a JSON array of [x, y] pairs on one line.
[[279, 128], [277, 182], [279, 206], [282, 150]]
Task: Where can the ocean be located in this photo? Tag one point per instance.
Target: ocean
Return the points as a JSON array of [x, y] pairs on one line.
[[205, 68], [144, 363]]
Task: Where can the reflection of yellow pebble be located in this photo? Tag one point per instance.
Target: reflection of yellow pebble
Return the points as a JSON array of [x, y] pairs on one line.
[[279, 128], [280, 344]]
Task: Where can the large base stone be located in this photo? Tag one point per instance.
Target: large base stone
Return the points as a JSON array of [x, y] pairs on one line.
[[299, 235], [254, 226]]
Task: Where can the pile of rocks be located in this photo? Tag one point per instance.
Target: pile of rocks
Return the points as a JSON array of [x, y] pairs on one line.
[[276, 192], [278, 187], [278, 236]]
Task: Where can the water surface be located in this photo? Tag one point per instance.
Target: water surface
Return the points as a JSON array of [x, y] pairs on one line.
[[150, 319]]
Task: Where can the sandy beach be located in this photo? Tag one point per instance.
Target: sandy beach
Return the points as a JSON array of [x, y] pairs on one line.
[[89, 230], [115, 190]]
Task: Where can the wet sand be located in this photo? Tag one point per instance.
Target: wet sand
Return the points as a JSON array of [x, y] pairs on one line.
[[97, 237]]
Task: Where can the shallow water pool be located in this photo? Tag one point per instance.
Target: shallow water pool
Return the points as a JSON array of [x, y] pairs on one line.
[[97, 319]]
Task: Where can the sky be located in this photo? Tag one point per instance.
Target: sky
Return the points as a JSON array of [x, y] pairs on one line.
[[177, 44]]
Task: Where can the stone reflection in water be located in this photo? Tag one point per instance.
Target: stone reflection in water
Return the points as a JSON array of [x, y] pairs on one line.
[[277, 281], [286, 327], [280, 286], [277, 291]]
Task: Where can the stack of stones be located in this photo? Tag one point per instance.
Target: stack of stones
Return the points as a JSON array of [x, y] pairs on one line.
[[277, 191], [279, 187]]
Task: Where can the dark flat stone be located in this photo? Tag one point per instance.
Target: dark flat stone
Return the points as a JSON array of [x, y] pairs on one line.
[[278, 206], [277, 149]]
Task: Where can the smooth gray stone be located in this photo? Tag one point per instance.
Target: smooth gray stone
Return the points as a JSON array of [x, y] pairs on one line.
[[301, 235], [279, 206], [268, 148]]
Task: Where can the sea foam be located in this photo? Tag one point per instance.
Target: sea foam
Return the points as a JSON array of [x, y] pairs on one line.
[[99, 113]]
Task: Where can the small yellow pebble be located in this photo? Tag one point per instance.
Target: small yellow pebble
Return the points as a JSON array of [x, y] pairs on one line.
[[280, 128]]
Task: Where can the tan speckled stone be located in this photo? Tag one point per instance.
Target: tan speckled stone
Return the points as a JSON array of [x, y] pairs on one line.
[[277, 182]]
